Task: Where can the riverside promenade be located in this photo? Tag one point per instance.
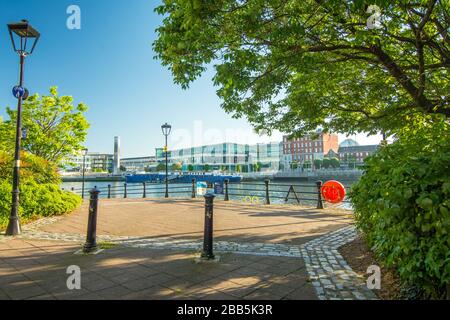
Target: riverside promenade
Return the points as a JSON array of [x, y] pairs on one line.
[[150, 246]]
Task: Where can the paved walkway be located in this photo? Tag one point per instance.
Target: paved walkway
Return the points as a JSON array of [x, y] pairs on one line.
[[36, 269], [184, 219], [271, 252]]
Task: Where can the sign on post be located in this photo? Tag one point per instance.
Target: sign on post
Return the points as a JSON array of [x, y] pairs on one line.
[[218, 188], [201, 188]]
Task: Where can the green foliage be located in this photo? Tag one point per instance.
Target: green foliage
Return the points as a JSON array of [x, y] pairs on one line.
[[207, 168], [190, 168], [326, 163], [36, 200], [335, 163], [176, 167], [297, 65], [402, 204], [161, 167], [33, 168], [55, 127], [318, 163]]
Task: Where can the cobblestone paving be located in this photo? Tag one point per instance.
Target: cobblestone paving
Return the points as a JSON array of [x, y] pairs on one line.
[[329, 273], [331, 276]]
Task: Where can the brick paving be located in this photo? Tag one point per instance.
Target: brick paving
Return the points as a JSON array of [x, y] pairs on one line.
[[283, 265], [36, 269], [184, 219]]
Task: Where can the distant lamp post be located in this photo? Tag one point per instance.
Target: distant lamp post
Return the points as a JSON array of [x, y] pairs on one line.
[[166, 128], [22, 33], [85, 151]]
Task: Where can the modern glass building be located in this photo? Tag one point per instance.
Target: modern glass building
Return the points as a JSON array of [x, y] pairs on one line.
[[227, 157], [95, 162], [138, 164]]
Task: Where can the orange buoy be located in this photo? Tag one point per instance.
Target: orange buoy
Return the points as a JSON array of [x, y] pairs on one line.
[[333, 191]]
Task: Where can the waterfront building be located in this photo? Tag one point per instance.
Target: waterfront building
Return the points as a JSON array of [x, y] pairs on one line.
[[226, 157], [351, 152], [269, 156], [138, 164], [101, 162], [75, 164], [309, 147], [95, 162]]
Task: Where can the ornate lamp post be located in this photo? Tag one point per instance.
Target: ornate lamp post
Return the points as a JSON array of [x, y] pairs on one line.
[[85, 151], [166, 128], [23, 33]]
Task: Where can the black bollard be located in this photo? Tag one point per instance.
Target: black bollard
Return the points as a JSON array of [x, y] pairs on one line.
[[91, 238], [109, 191], [266, 182], [193, 189], [208, 234], [319, 195], [226, 198], [125, 190], [144, 193]]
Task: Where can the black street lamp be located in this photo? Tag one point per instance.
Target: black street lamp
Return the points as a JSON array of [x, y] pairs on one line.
[[85, 151], [166, 128], [22, 32]]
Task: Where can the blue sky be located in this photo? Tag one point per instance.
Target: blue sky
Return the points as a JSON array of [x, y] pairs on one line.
[[109, 65]]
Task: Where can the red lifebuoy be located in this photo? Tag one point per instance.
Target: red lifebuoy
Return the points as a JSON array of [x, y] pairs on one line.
[[333, 191]]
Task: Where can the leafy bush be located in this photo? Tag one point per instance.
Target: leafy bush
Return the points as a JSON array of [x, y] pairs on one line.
[[36, 200], [40, 193], [402, 205], [33, 168]]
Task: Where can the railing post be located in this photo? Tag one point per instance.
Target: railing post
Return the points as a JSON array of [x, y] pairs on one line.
[[226, 198], [207, 253], [109, 191], [144, 192], [266, 182], [91, 238], [72, 189], [193, 189], [125, 190], [319, 195]]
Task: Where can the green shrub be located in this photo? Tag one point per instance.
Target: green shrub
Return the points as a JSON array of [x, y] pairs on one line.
[[402, 205], [32, 168], [36, 200]]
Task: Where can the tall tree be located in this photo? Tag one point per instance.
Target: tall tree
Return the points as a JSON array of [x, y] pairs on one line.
[[55, 128], [295, 65]]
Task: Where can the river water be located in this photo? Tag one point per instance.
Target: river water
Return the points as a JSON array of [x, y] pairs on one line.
[[246, 191]]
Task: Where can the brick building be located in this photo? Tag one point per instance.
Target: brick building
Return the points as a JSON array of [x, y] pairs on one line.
[[309, 148], [356, 153]]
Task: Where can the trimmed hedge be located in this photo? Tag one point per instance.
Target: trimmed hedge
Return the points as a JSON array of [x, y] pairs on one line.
[[36, 200], [402, 205]]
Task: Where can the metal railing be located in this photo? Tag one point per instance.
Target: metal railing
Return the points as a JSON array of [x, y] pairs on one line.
[[266, 192]]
